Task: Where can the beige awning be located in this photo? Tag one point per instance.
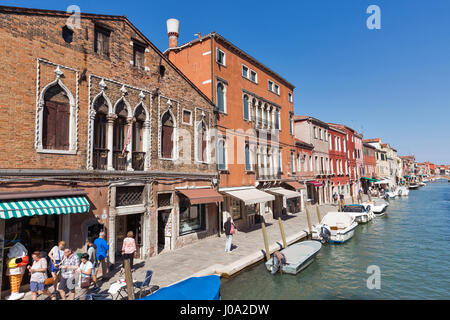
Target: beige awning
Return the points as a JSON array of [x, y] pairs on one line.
[[251, 196], [289, 194]]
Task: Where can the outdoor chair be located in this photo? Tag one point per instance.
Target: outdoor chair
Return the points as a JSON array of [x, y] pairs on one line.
[[143, 285]]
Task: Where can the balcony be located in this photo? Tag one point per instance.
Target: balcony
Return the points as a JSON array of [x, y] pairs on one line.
[[119, 160], [100, 159], [262, 175], [138, 159]]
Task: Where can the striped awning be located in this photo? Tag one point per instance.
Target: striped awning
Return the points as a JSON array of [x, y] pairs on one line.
[[40, 206]]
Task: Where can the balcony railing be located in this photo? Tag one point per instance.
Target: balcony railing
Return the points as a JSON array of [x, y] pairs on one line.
[[100, 159], [119, 160], [138, 160]]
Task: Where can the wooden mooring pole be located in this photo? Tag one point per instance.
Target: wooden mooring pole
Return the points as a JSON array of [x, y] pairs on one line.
[[266, 243], [318, 213], [309, 220], [283, 237], [353, 199], [128, 279]]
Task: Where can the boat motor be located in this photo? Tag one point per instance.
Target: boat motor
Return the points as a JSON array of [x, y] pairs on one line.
[[325, 233]]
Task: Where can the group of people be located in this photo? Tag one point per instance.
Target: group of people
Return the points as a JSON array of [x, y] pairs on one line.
[[68, 272], [339, 198]]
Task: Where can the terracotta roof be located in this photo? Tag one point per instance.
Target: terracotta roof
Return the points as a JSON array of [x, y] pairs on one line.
[[304, 118], [372, 140], [303, 143]]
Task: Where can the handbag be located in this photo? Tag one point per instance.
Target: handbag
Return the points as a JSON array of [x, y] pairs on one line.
[[232, 229], [86, 282]]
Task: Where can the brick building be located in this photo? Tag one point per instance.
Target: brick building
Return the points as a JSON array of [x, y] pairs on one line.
[[256, 147], [370, 165], [338, 159], [92, 109]]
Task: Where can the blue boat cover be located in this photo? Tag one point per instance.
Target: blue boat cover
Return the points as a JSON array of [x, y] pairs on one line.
[[201, 288]]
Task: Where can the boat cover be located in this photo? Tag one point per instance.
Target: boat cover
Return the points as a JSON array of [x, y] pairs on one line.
[[338, 218], [195, 288]]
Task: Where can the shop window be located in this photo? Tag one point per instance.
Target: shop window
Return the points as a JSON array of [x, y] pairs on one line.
[[192, 217], [236, 212], [127, 196]]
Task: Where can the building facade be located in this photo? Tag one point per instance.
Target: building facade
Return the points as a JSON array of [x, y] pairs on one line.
[[340, 182], [254, 127], [117, 128]]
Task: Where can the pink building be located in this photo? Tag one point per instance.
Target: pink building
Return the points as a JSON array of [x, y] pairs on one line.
[[359, 157]]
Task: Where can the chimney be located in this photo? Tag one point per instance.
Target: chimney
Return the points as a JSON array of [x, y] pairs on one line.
[[173, 28]]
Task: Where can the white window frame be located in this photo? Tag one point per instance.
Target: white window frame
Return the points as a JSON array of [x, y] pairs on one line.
[[224, 57], [224, 95], [248, 72], [190, 117], [196, 146], [225, 144], [268, 85], [290, 97], [256, 76]]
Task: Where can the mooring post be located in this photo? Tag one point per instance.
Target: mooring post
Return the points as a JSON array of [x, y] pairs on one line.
[[353, 199], [309, 219], [129, 279], [318, 213], [266, 243], [283, 237]]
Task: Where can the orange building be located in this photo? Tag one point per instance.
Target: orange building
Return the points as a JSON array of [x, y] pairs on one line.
[[255, 142]]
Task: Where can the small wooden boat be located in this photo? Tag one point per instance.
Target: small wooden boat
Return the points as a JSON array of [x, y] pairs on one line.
[[298, 257]]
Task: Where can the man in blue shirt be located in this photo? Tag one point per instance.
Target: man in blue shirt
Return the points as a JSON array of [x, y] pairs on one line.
[[102, 253]]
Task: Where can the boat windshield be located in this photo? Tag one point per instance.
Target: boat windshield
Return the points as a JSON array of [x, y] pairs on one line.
[[354, 209]]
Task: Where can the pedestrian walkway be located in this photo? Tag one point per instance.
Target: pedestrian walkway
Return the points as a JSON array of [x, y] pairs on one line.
[[208, 256]]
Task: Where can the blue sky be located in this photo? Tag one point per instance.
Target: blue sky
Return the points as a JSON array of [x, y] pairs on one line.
[[391, 83]]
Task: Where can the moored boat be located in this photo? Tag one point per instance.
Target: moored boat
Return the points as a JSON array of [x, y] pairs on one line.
[[298, 256], [359, 212], [336, 227], [413, 186], [404, 191]]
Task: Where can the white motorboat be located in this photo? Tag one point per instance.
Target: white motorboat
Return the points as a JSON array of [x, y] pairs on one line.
[[422, 184], [378, 207], [359, 212], [335, 227], [404, 191], [413, 186], [391, 194]]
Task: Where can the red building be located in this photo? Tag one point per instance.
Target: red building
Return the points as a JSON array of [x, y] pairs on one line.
[[338, 159], [370, 164]]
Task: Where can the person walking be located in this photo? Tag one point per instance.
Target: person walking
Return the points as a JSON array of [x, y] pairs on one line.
[[102, 253], [91, 250], [85, 271], [68, 267], [129, 248], [341, 197], [38, 272], [230, 229], [56, 256]]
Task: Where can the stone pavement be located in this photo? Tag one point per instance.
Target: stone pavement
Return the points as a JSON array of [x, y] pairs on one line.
[[208, 256]]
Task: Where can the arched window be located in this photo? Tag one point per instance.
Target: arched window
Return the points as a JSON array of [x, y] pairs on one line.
[[221, 156], [140, 116], [167, 131], [100, 134], [201, 142], [221, 97], [56, 119], [246, 108], [248, 166], [120, 136]]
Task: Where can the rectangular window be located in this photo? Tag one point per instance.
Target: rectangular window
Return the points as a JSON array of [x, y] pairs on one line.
[[192, 217], [315, 132], [236, 209], [220, 57], [290, 97], [253, 76], [245, 71], [270, 85], [101, 41], [277, 89], [127, 196], [292, 162], [138, 56], [248, 166], [187, 117], [277, 119]]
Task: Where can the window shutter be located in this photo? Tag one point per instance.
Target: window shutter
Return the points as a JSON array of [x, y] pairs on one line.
[[49, 129], [62, 126], [166, 141]]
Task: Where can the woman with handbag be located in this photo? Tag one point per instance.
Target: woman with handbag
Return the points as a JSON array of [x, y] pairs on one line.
[[38, 273], [56, 256], [85, 271], [230, 229]]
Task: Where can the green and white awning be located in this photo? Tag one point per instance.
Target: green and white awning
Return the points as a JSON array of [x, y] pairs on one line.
[[31, 207]]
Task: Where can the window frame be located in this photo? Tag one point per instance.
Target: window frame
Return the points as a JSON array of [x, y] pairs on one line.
[[248, 72], [218, 50]]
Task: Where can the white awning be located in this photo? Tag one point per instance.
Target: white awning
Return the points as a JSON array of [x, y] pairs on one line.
[[251, 196], [289, 194]]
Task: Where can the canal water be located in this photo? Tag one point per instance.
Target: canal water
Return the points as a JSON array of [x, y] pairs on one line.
[[410, 245]]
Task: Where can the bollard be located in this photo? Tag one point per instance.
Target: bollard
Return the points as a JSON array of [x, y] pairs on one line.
[[283, 237], [266, 243], [318, 213], [309, 220], [128, 279]]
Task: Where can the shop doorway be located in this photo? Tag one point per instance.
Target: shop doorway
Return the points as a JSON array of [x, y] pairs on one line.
[[164, 230], [126, 223], [94, 230], [36, 233]]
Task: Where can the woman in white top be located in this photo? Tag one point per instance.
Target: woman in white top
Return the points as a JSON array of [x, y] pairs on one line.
[[56, 256], [38, 273], [85, 271]]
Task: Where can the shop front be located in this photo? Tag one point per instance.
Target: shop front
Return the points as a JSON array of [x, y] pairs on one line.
[[286, 201], [38, 220], [250, 205], [315, 191]]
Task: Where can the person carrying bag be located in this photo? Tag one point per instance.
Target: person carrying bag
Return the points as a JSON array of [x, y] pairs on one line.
[[85, 271]]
